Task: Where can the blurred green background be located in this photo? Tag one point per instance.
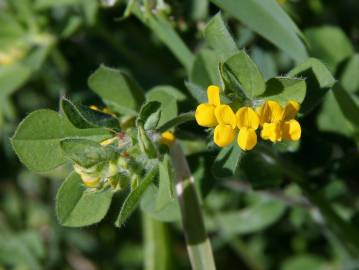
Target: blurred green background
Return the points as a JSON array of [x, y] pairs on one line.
[[47, 51]]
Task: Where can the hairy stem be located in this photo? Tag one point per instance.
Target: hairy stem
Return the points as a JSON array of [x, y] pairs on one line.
[[198, 244]]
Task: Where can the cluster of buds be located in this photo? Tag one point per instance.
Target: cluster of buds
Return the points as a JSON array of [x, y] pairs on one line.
[[117, 172], [277, 123], [124, 169]]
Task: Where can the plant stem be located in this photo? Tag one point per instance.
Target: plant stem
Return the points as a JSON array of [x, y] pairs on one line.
[[157, 248], [198, 244]]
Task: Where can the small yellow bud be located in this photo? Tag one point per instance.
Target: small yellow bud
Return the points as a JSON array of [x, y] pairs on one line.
[[112, 169], [79, 169], [104, 110], [10, 57], [108, 111], [90, 181], [167, 138], [108, 141]]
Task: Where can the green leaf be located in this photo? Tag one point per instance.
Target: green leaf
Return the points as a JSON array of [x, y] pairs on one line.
[[78, 206], [178, 120], [253, 218], [347, 104], [197, 92], [166, 181], [84, 152], [149, 114], [348, 76], [283, 89], [11, 244], [219, 38], [269, 175], [265, 61], [167, 100], [12, 77], [205, 69], [331, 118], [268, 20], [169, 213], [246, 73], [134, 197], [164, 31], [37, 57], [330, 44], [46, 4], [83, 117], [227, 162], [305, 261], [90, 9], [168, 89], [146, 145], [232, 88], [37, 139], [117, 89], [318, 80]]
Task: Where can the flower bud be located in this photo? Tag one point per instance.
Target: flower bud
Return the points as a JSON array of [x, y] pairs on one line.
[[90, 181], [146, 145]]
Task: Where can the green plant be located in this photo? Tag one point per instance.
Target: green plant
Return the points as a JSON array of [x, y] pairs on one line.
[[134, 150]]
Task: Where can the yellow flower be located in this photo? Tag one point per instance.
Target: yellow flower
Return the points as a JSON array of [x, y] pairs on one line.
[[225, 131], [247, 122], [204, 115], [278, 123], [167, 138]]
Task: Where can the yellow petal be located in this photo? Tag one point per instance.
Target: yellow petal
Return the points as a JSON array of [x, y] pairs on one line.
[[89, 180], [290, 110], [270, 112], [247, 117], [223, 135], [108, 141], [291, 130], [213, 95], [167, 138], [205, 115], [271, 131], [94, 107], [247, 138], [225, 116]]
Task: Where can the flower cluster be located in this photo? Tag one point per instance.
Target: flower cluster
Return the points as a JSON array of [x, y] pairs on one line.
[[117, 172], [277, 123]]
